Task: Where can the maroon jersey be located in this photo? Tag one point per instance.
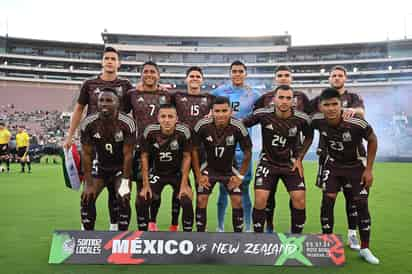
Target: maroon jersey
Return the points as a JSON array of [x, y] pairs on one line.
[[220, 144], [91, 88], [191, 108], [280, 137], [108, 139], [343, 142], [300, 101], [145, 105], [166, 150], [349, 100]]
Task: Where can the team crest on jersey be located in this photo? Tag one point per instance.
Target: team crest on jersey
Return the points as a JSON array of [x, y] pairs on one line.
[[345, 103], [209, 138], [162, 100], [118, 137], [174, 145], [97, 136], [230, 140], [140, 99], [346, 136], [293, 131], [119, 91], [96, 91]]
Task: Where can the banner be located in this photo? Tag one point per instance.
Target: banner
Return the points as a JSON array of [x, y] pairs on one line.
[[138, 247]]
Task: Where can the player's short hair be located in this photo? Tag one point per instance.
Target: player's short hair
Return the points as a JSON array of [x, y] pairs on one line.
[[282, 68], [3, 124], [329, 93], [238, 63], [283, 87], [108, 89], [339, 67], [151, 63], [167, 106], [221, 100], [194, 68], [111, 49]]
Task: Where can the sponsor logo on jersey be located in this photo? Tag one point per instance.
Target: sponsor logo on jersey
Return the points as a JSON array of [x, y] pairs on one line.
[[118, 137], [346, 136], [293, 131], [230, 140], [97, 136]]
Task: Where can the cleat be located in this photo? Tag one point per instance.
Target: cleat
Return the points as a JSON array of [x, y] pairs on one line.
[[353, 242], [153, 226], [367, 255], [220, 229], [174, 228], [113, 227]]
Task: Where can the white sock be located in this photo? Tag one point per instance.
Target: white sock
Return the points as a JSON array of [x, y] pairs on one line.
[[351, 232]]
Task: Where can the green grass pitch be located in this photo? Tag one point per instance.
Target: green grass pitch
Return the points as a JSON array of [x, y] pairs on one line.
[[34, 205]]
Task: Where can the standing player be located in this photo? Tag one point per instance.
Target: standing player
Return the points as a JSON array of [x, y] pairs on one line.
[[89, 93], [191, 106], [220, 135], [4, 145], [352, 105], [242, 98], [281, 156], [283, 76], [343, 137], [144, 104], [111, 137], [22, 147], [168, 143]]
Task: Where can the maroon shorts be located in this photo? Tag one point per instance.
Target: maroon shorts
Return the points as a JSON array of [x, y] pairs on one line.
[[214, 177], [268, 175]]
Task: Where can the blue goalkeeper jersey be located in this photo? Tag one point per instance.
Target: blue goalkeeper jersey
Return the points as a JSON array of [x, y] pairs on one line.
[[242, 99]]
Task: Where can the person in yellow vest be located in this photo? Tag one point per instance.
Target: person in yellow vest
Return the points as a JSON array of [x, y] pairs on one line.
[[4, 146], [22, 147]]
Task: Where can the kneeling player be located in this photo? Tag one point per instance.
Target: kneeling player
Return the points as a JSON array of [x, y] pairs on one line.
[[281, 156], [219, 136], [112, 136], [343, 137], [169, 145]]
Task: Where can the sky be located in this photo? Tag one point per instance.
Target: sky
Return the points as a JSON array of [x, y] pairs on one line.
[[308, 22]]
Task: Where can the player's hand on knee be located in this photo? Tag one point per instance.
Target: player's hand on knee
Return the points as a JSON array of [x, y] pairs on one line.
[[88, 195], [146, 193], [204, 181], [367, 178], [68, 143], [234, 182], [299, 166]]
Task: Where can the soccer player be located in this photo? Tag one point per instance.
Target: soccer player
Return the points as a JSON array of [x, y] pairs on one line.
[[110, 136], [144, 104], [220, 135], [4, 145], [242, 98], [168, 143], [281, 157], [343, 136], [89, 93], [283, 76], [22, 147], [191, 106], [352, 105]]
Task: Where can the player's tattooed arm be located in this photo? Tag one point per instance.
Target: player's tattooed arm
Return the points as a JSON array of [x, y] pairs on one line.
[[88, 193], [146, 192], [185, 189], [367, 176]]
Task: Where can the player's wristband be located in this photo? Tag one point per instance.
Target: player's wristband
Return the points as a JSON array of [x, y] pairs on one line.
[[241, 177]]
